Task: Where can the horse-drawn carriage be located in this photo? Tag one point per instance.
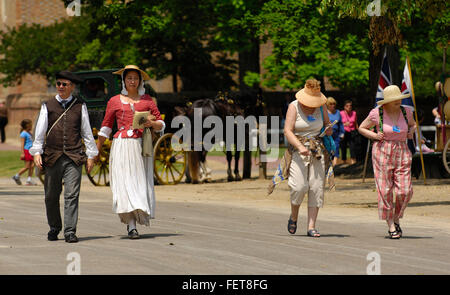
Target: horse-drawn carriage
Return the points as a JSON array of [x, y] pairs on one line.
[[96, 90], [437, 163]]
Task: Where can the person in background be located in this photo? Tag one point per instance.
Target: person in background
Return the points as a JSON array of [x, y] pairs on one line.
[[423, 140], [27, 141], [437, 116], [338, 129], [349, 120], [391, 157], [3, 119]]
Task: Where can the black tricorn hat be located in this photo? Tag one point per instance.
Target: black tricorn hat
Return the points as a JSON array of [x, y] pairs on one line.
[[69, 76]]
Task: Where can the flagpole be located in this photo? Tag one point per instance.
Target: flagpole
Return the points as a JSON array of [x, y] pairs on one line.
[[417, 122], [365, 160], [368, 142]]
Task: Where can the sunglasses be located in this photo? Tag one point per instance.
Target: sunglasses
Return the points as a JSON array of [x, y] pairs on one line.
[[64, 84]]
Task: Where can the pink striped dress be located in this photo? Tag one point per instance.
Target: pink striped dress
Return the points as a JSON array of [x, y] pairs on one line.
[[391, 161]]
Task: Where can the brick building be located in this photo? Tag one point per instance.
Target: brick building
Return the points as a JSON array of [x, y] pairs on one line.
[[24, 100]]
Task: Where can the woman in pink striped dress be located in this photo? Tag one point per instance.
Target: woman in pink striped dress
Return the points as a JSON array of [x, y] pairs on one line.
[[391, 157]]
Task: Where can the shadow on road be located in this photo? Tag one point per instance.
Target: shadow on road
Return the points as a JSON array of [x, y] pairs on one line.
[[152, 236], [409, 238], [20, 193], [419, 204], [414, 204], [334, 236], [93, 238]]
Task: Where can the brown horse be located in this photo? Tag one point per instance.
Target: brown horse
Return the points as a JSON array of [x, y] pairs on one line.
[[197, 171], [227, 107]]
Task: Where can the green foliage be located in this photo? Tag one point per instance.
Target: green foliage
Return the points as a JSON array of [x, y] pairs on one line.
[[166, 37], [195, 39], [422, 33], [310, 44], [34, 49]]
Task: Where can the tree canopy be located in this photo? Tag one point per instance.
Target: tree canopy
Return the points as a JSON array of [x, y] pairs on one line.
[[35, 49], [204, 43]]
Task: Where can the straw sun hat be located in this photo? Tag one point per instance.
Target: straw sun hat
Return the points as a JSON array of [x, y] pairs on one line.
[[390, 94], [310, 95], [144, 75]]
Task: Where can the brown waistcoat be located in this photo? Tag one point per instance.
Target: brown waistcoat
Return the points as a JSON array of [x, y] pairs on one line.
[[65, 137]]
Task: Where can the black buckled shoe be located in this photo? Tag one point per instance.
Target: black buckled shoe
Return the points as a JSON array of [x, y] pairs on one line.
[[52, 235], [133, 234], [71, 238]]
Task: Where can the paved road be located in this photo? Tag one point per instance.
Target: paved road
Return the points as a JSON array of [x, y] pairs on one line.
[[193, 238]]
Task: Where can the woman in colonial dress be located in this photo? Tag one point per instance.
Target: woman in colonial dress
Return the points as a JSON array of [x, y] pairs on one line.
[[131, 174]]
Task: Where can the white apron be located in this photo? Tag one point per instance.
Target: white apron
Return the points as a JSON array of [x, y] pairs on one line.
[[131, 180]]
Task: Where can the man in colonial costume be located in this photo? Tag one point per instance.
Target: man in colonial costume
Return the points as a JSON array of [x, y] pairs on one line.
[[63, 142]]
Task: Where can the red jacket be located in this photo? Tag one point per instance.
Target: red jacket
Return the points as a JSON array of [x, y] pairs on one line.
[[123, 113]]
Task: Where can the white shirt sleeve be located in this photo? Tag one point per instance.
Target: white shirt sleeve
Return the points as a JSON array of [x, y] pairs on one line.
[[105, 131], [39, 133], [86, 134], [163, 126]]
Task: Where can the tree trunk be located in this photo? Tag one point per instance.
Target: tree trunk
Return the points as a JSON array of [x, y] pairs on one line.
[[375, 62], [174, 72], [248, 61]]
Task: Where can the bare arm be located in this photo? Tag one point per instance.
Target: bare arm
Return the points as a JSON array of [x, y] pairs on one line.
[[289, 124], [22, 141], [326, 121], [100, 141], [364, 129]]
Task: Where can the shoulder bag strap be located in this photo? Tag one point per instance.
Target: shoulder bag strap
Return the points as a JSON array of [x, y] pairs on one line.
[[380, 109], [73, 102], [405, 116], [380, 115]]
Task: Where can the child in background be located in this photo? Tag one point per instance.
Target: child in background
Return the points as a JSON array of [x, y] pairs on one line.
[[27, 142]]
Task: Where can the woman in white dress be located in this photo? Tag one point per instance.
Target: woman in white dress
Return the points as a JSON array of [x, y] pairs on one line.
[[131, 174]]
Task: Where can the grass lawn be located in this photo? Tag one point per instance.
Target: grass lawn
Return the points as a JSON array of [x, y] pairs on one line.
[[10, 163]]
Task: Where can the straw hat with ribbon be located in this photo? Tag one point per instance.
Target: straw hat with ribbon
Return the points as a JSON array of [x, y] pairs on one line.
[[144, 77], [310, 95], [390, 94]]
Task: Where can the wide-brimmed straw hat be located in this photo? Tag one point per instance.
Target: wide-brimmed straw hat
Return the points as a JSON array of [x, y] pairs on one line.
[[310, 95], [144, 75], [390, 94]]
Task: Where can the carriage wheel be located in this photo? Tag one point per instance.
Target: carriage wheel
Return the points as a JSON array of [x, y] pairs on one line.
[[169, 162], [446, 156], [99, 175]]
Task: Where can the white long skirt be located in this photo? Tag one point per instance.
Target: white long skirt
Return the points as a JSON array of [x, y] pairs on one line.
[[131, 181]]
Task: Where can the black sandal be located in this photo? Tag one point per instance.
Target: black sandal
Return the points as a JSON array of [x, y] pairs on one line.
[[398, 229], [313, 233], [133, 234], [394, 235], [292, 226]]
